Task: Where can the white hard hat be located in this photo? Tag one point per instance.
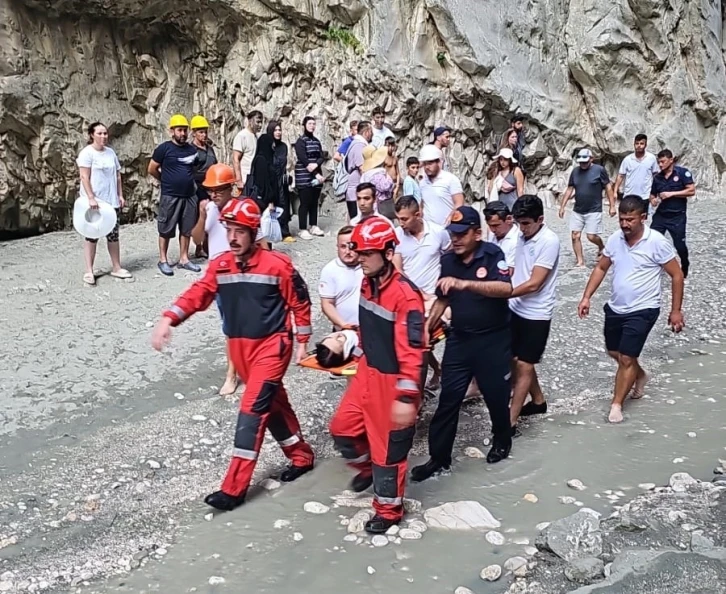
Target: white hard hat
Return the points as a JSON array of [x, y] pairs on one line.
[[430, 152], [93, 223]]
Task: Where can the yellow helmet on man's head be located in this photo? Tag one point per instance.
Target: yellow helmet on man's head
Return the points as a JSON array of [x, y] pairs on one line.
[[178, 121], [199, 122]]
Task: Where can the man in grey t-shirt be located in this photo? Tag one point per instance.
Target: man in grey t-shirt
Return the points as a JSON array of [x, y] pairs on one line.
[[587, 182]]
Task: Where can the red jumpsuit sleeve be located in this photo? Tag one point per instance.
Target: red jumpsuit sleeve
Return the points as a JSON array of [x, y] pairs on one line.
[[410, 339], [295, 292], [196, 298]]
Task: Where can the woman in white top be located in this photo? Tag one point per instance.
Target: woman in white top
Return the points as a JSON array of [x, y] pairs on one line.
[[101, 180]]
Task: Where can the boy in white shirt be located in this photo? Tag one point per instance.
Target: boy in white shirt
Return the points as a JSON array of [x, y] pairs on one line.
[[637, 170]]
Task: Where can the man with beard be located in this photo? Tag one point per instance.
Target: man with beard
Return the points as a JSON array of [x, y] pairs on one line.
[[244, 147], [441, 191], [259, 291], [637, 170], [475, 284], [374, 425], [340, 282], [173, 164], [442, 140], [638, 256]]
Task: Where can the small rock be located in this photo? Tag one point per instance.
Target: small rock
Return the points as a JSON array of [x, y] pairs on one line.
[[269, 484], [379, 540], [491, 573], [199, 418], [161, 551], [153, 464], [530, 551], [531, 497], [314, 507], [718, 470], [350, 538], [585, 570], [700, 543], [461, 515], [463, 590], [371, 570], [209, 517], [216, 580], [409, 534], [358, 521], [514, 563], [647, 486], [297, 536], [607, 570], [567, 500], [542, 525], [576, 484], [680, 481], [473, 452], [6, 586], [494, 537], [691, 434], [393, 530], [280, 524], [418, 526], [178, 395]]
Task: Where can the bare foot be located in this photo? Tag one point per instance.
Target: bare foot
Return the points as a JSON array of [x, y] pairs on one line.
[[639, 386], [616, 414], [579, 265], [229, 387]]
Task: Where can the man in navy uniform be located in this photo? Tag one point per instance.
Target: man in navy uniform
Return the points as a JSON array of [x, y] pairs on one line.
[[475, 284], [669, 195]]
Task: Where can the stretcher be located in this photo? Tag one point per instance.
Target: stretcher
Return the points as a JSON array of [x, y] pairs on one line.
[[350, 368]]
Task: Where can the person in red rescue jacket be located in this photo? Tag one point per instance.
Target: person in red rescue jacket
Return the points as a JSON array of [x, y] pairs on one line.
[[258, 290], [374, 425]]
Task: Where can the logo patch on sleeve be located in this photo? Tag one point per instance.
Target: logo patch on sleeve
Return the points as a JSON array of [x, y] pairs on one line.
[[502, 267], [688, 174]]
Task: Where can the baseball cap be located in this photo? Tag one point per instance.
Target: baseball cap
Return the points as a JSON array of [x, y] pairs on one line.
[[463, 219], [584, 155], [440, 130]]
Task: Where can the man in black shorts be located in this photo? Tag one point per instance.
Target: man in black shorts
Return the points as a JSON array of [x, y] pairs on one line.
[[638, 255], [173, 164], [533, 303]]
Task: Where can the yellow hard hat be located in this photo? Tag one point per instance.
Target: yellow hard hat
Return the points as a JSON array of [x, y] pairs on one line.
[[178, 121], [199, 121]]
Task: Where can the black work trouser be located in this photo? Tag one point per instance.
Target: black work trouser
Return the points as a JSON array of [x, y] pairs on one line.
[[308, 211], [675, 224], [486, 358]]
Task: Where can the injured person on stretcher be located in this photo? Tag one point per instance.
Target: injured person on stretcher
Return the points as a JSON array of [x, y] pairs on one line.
[[336, 349]]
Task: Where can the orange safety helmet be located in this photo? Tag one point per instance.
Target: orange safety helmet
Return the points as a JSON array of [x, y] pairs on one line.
[[242, 212], [219, 175], [373, 233]]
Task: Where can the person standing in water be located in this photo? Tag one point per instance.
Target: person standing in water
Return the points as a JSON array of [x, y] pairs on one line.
[[638, 256]]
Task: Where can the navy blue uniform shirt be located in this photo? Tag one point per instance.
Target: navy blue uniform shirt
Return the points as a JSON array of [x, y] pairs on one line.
[[472, 313], [177, 168], [679, 180]]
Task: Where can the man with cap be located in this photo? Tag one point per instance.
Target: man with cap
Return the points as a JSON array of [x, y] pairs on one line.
[[374, 425], [442, 140], [259, 293], [206, 157], [475, 284], [441, 191], [173, 164], [587, 181]]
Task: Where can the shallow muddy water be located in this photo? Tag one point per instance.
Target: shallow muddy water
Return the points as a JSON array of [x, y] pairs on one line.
[[678, 427]]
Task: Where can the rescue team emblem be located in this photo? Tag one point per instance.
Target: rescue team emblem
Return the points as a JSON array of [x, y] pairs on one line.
[[502, 267], [456, 217], [675, 178], [481, 272]]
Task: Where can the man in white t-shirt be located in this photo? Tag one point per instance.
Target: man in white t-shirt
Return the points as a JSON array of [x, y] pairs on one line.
[[532, 303], [637, 170], [418, 256], [380, 132], [638, 256], [502, 230], [366, 200], [340, 282], [244, 147], [441, 191]]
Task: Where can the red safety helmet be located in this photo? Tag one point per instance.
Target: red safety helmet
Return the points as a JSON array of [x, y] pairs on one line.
[[242, 212], [374, 233]]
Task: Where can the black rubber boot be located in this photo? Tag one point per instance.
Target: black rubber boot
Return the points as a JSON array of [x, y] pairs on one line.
[[500, 450], [379, 525], [294, 472], [223, 502], [361, 482], [424, 471]]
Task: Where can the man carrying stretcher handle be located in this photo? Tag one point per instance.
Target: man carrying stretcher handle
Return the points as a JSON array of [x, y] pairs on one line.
[[374, 425], [258, 291]]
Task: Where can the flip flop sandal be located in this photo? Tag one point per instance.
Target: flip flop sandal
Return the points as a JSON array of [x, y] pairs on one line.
[[122, 273], [89, 279]]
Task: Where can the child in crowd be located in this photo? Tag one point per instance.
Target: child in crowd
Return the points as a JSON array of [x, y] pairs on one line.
[[410, 184]]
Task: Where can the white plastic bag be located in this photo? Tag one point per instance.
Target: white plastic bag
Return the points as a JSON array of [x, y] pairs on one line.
[[270, 226]]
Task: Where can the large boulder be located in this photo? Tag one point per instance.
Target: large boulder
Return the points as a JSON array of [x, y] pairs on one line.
[[574, 537]]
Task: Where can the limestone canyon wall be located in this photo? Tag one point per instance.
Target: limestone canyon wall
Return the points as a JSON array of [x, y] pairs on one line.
[[583, 72]]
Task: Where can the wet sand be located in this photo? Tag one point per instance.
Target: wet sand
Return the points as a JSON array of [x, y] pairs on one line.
[[108, 447]]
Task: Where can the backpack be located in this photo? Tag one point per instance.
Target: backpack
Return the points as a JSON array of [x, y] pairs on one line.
[[340, 178]]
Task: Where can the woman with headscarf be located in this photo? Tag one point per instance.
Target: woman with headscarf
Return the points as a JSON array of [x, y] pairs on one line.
[[281, 179], [309, 178]]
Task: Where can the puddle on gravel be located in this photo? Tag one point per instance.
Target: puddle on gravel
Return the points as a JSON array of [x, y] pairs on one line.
[[249, 554]]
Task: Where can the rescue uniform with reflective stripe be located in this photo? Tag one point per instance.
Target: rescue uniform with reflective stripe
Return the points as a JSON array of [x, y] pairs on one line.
[[390, 368], [256, 300]]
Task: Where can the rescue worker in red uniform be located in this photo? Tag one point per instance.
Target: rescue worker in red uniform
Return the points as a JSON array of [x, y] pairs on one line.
[[374, 425], [258, 290]]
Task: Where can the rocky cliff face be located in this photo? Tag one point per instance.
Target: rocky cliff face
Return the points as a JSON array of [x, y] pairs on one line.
[[584, 72]]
